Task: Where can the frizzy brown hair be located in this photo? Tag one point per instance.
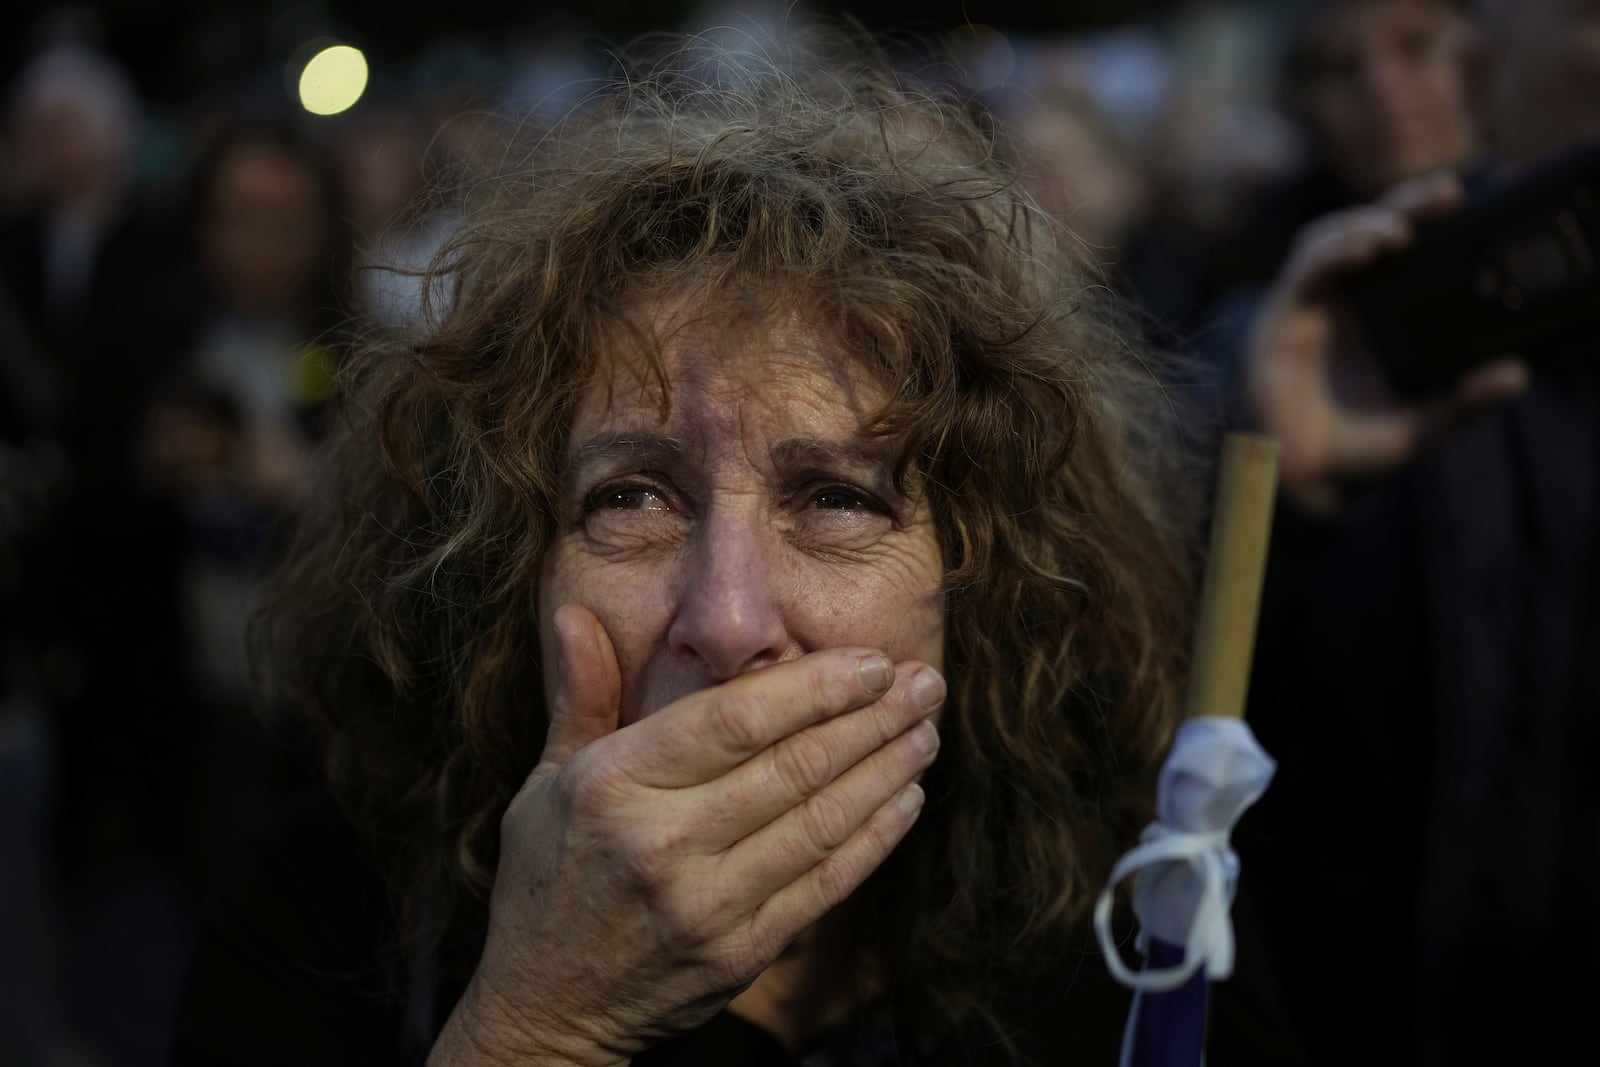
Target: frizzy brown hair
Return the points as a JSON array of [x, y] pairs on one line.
[[401, 628]]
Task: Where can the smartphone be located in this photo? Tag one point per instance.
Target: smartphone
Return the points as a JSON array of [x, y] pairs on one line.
[[1514, 273]]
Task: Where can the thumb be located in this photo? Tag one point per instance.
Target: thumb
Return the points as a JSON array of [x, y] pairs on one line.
[[588, 691], [1375, 442]]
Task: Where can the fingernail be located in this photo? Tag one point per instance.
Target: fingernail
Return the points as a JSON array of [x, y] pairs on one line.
[[926, 737], [909, 800], [877, 674], [928, 688]]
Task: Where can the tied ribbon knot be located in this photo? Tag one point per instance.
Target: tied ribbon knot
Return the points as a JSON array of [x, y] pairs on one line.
[[1209, 943], [1186, 869]]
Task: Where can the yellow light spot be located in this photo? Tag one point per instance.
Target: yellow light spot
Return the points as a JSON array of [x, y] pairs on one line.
[[311, 376], [333, 80]]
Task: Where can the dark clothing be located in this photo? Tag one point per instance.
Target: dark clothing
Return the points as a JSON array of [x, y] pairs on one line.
[[294, 959], [127, 321], [94, 608], [1178, 274], [1426, 675]]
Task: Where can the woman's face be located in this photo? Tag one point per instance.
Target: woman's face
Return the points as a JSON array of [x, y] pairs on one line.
[[754, 523]]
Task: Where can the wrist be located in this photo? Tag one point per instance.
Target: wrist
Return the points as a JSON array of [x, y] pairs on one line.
[[483, 1031]]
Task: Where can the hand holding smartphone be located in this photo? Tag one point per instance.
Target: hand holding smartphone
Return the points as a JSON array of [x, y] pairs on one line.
[[1513, 273]]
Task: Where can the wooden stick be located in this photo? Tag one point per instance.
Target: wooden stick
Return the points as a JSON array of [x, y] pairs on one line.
[[1230, 598]]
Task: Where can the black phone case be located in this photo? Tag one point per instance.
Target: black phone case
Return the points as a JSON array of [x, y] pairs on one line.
[[1511, 274]]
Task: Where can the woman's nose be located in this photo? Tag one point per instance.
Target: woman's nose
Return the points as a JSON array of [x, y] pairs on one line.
[[728, 617]]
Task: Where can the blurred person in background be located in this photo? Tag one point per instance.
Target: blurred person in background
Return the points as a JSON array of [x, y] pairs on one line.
[[1374, 92], [1426, 673], [270, 237], [1379, 88], [94, 302], [228, 435]]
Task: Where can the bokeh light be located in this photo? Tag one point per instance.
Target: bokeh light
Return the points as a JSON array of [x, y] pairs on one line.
[[333, 80]]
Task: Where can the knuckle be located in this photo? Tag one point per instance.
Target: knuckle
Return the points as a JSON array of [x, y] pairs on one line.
[[648, 854], [804, 763], [735, 721], [583, 787], [738, 962], [826, 822], [889, 718], [684, 917], [820, 687], [574, 787], [834, 883], [759, 944]]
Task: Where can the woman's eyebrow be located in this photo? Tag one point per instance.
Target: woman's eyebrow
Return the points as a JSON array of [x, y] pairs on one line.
[[792, 453], [609, 447]]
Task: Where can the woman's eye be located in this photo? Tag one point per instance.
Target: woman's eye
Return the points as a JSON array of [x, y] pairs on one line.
[[627, 498], [630, 514], [844, 498], [837, 500]]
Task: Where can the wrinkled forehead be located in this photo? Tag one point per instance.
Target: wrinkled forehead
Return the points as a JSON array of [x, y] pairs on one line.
[[669, 355]]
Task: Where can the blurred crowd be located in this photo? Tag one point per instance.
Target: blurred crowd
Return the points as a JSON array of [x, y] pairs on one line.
[[180, 278]]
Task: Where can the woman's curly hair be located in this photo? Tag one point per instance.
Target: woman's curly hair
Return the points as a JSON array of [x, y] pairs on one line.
[[401, 628]]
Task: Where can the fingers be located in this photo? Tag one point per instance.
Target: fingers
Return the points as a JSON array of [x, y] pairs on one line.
[[811, 832], [796, 906], [1377, 441], [1296, 349], [807, 817], [707, 734], [1369, 443], [1425, 197], [1345, 241], [1490, 384], [1340, 244], [831, 776], [588, 696]]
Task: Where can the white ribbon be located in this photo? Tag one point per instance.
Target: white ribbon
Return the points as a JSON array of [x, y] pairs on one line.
[[1187, 871]]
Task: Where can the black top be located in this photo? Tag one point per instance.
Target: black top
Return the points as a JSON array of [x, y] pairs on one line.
[[294, 964], [1426, 676]]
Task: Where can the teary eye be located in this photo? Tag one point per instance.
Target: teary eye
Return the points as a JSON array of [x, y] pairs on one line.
[[837, 499], [846, 498], [626, 498], [631, 500]]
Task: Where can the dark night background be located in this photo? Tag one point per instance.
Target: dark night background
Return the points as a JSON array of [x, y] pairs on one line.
[[168, 44]]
